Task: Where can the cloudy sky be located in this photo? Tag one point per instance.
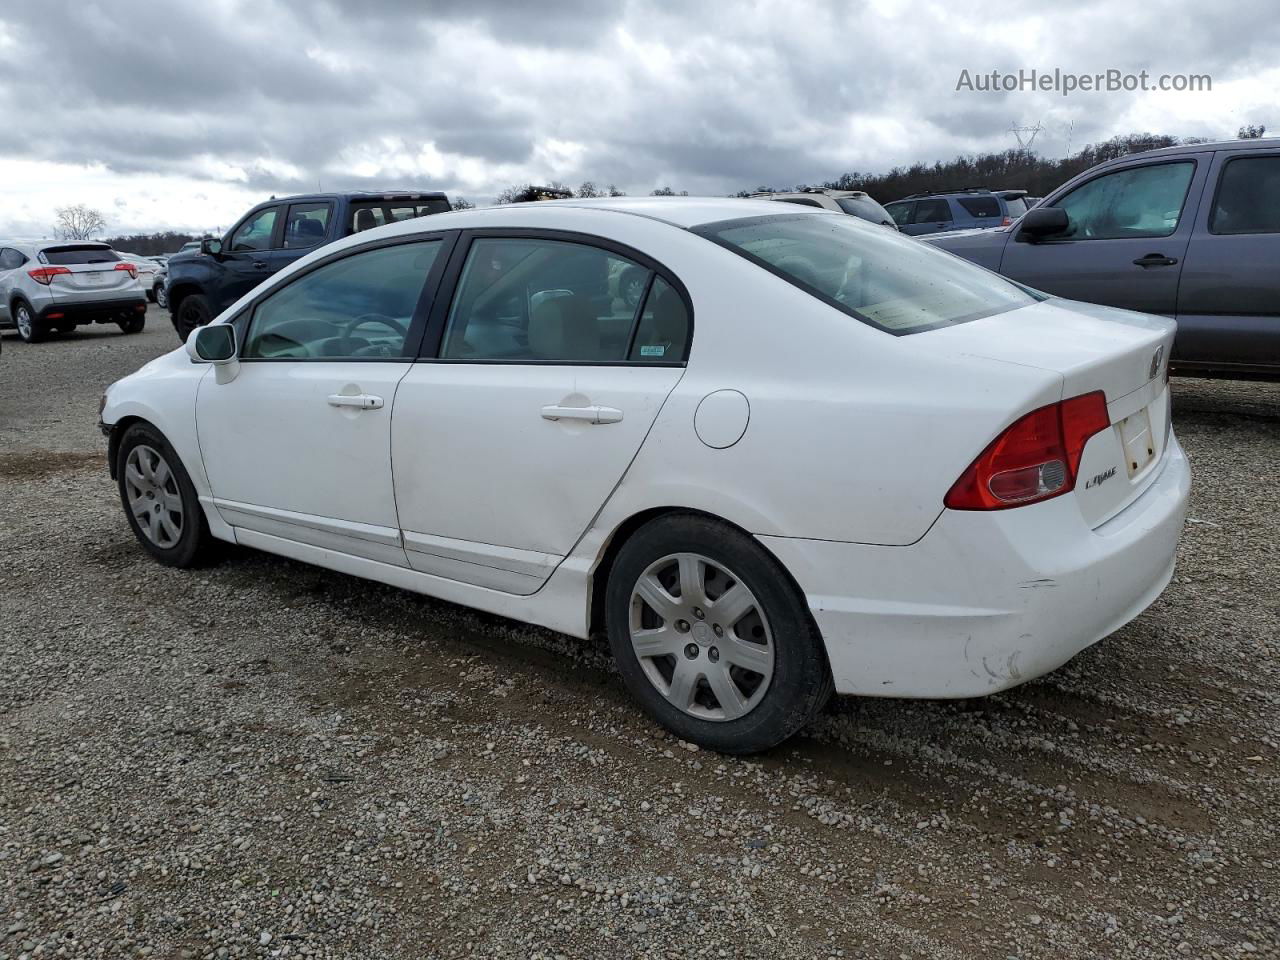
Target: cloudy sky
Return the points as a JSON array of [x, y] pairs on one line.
[[184, 114]]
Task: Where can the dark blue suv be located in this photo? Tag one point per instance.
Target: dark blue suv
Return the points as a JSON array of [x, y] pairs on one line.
[[974, 208], [202, 283]]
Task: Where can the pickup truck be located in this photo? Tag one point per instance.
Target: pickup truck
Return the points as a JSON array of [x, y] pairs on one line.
[[205, 281], [1190, 232]]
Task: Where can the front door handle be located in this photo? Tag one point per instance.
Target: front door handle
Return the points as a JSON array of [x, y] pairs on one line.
[[589, 414], [259, 264], [1155, 260], [361, 401]]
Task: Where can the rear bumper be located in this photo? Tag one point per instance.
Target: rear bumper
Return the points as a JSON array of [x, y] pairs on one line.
[[986, 601], [93, 311]]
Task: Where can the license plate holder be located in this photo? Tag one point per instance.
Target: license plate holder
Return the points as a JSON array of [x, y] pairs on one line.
[[1137, 441]]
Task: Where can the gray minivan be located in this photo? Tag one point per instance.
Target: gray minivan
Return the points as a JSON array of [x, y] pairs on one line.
[[1190, 232]]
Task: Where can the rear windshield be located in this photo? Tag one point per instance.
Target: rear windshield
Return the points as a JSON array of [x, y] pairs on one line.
[[367, 214], [1017, 207], [63, 256], [883, 278], [981, 206], [866, 208]]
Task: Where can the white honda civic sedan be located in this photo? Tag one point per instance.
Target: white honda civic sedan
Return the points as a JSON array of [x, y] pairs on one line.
[[811, 454]]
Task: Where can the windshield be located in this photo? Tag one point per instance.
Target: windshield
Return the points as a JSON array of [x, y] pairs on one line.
[[883, 278], [866, 208]]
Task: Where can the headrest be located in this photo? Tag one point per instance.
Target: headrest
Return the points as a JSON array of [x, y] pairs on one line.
[[564, 328]]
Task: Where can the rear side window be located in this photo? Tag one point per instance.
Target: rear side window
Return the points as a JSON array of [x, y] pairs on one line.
[[663, 331], [356, 308], [11, 259], [551, 301], [1248, 198], [67, 256], [306, 225], [881, 277], [932, 211], [980, 206]]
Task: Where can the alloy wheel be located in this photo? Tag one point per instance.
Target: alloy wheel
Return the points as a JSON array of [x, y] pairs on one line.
[[701, 637], [22, 319], [154, 498]]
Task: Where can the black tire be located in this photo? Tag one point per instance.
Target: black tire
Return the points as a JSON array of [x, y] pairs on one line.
[[132, 325], [194, 544], [192, 312], [30, 328], [151, 294], [801, 682]]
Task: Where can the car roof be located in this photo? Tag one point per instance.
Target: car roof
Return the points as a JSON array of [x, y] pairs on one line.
[[680, 211], [1258, 143]]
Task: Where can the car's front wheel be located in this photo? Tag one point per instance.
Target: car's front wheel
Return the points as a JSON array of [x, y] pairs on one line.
[[193, 312], [30, 329], [159, 297], [159, 499], [712, 637]]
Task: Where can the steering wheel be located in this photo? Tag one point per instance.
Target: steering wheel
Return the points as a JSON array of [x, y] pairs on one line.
[[385, 321]]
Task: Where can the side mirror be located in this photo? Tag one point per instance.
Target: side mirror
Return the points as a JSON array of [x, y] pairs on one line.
[[211, 247], [215, 344], [1040, 222]]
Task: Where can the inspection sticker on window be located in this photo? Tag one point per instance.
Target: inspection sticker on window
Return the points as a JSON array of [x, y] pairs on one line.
[[652, 350]]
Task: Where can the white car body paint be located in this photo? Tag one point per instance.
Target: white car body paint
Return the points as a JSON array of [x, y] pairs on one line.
[[853, 438]]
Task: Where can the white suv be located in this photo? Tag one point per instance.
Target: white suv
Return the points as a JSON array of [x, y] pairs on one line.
[[853, 202], [59, 285]]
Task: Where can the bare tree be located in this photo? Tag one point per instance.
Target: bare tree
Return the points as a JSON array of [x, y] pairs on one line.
[[461, 203], [667, 192], [1250, 131], [589, 189], [614, 191], [79, 222]]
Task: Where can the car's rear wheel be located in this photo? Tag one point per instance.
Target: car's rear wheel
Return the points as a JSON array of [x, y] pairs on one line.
[[159, 499], [193, 312], [712, 637], [30, 329], [132, 325]]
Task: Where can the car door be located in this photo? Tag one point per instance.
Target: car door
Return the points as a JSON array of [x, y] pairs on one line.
[[1229, 297], [249, 255], [298, 445], [1126, 239], [537, 388], [929, 216]]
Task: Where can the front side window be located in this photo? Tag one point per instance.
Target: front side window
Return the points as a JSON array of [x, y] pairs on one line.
[[356, 308], [1248, 198], [306, 225], [255, 233], [901, 212], [548, 301], [1139, 202], [932, 211], [881, 277]]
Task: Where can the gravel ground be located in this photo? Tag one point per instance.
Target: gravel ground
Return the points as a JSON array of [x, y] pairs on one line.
[[265, 759]]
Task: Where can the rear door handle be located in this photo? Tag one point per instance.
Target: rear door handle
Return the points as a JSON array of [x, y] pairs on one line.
[[361, 401], [1155, 260], [589, 414]]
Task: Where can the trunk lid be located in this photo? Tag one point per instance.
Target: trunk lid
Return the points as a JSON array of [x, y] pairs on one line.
[[1091, 347]]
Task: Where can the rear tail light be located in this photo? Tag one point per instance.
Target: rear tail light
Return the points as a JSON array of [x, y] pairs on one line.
[[1007, 221], [45, 275], [132, 270], [1035, 459]]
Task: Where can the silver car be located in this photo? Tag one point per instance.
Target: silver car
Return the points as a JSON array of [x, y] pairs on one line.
[[149, 272], [60, 284]]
